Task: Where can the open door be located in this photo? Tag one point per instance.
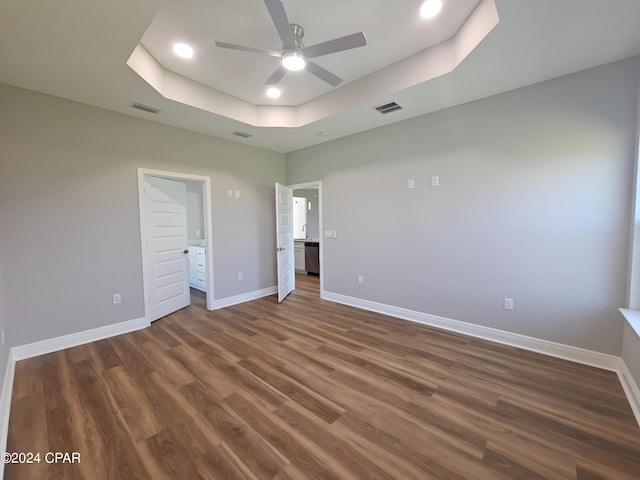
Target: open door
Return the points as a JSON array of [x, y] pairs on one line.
[[165, 249], [284, 241]]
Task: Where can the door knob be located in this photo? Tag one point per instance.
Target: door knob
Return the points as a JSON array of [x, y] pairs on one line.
[[185, 251]]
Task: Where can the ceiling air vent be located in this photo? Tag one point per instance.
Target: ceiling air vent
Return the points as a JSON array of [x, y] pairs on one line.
[[388, 108], [145, 108], [242, 134]]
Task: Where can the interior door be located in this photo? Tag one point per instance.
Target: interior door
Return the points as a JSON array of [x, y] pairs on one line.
[[166, 260], [284, 243]]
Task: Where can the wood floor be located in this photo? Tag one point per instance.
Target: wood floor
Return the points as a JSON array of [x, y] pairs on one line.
[[313, 389]]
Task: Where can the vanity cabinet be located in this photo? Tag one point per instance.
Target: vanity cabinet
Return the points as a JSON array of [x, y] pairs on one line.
[[298, 253], [197, 268]]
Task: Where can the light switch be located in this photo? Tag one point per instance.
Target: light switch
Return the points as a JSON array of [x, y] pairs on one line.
[[435, 181], [230, 193], [237, 193]]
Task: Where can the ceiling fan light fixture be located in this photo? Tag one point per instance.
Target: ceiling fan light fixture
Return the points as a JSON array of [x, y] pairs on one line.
[[273, 92], [293, 61], [430, 8]]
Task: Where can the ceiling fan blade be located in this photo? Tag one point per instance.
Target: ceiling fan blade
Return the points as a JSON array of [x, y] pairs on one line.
[[233, 46], [323, 73], [280, 20], [276, 76], [347, 42]]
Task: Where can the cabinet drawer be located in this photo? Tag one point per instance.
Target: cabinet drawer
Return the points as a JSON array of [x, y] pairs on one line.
[[200, 267]]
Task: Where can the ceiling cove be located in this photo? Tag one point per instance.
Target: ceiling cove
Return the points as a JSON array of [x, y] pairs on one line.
[[401, 53]]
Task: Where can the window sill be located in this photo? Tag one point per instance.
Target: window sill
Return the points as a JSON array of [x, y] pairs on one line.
[[633, 319]]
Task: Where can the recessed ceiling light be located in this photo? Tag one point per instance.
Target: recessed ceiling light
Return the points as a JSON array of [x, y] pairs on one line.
[[273, 92], [183, 50], [430, 8]]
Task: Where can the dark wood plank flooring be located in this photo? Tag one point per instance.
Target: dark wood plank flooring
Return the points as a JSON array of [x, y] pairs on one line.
[[315, 390]]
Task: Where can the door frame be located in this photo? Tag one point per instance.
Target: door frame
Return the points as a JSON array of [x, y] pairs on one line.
[[316, 185], [208, 228]]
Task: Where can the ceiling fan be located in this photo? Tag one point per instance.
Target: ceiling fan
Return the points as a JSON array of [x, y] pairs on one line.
[[294, 55]]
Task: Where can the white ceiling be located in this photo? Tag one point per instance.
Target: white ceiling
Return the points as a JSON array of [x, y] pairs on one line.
[[392, 34], [78, 49]]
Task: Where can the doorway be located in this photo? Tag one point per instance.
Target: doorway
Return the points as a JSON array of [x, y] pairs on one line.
[[311, 192], [179, 221]]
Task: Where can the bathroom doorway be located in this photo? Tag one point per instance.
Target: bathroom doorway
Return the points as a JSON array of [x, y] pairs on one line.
[[190, 197], [308, 246]]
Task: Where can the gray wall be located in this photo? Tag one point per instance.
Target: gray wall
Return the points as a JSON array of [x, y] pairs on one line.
[[195, 214], [70, 219], [4, 347], [533, 204]]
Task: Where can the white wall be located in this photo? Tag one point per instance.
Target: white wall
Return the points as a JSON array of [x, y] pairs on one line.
[[533, 204], [69, 211]]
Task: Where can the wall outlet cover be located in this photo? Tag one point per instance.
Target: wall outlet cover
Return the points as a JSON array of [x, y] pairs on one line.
[[508, 303]]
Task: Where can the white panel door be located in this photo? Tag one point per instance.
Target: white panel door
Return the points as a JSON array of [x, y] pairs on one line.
[[284, 243], [166, 260]]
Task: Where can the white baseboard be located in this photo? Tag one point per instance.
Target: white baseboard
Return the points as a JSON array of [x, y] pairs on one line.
[[47, 346], [244, 297], [567, 352], [630, 388], [5, 406], [553, 349], [73, 339]]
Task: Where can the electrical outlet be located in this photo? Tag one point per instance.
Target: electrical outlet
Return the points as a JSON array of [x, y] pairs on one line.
[[508, 303], [197, 233], [237, 193], [117, 298], [240, 276], [360, 279], [435, 181], [230, 193], [410, 183]]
